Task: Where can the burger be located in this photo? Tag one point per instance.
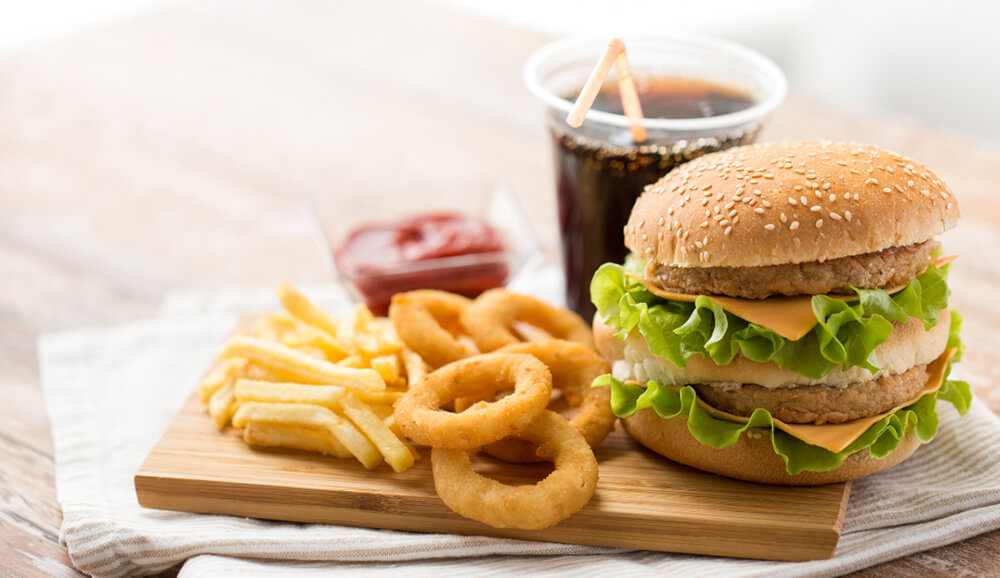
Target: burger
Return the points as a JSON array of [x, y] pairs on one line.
[[783, 315]]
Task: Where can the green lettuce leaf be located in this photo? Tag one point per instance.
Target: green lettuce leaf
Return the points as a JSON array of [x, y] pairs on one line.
[[880, 439], [846, 334]]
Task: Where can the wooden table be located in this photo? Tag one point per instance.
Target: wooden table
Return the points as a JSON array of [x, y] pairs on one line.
[[172, 152]]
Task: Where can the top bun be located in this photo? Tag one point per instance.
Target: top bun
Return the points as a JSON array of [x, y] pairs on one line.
[[789, 202]]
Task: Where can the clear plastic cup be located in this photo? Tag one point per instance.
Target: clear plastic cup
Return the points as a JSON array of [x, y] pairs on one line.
[[600, 170]]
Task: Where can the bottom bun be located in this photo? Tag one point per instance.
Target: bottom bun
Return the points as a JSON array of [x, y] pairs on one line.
[[750, 458]]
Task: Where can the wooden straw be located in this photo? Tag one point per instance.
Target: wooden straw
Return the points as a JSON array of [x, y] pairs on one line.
[[614, 53], [630, 97]]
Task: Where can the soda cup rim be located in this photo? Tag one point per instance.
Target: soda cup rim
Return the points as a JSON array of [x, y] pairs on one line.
[[775, 83]]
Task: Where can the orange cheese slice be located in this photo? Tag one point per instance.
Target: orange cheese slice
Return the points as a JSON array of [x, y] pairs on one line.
[[837, 436], [791, 317]]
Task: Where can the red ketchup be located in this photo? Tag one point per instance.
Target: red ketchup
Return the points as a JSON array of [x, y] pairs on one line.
[[447, 251]]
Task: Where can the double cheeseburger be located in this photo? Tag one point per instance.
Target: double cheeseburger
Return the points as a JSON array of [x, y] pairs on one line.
[[783, 317]]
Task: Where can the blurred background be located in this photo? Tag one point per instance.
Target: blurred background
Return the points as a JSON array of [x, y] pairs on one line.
[[924, 59]]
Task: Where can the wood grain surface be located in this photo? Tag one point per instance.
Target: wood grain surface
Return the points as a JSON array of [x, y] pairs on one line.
[[641, 501], [172, 151]]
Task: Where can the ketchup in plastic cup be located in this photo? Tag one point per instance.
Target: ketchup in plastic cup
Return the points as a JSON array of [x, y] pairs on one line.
[[390, 257], [469, 245], [698, 95]]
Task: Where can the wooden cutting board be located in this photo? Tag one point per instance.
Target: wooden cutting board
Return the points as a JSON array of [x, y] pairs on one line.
[[641, 501]]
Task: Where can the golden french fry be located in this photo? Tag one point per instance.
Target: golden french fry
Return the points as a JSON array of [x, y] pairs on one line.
[[389, 341], [315, 417], [270, 392], [222, 405], [294, 437], [416, 367], [387, 366], [300, 307], [390, 422], [387, 397], [306, 368], [355, 361], [226, 370], [357, 323], [395, 452]]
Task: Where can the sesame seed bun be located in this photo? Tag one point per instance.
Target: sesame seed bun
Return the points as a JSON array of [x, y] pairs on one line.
[[791, 202]]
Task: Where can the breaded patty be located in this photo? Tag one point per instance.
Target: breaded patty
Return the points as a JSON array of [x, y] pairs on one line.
[[888, 268], [817, 404]]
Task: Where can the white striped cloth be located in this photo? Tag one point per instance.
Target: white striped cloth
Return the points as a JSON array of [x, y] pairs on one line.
[[111, 392]]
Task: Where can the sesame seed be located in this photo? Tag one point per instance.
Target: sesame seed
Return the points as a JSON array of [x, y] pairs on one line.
[[811, 176], [698, 244], [736, 219], [670, 210], [661, 221], [717, 218], [898, 188], [706, 187], [857, 197], [909, 183], [815, 208], [833, 197], [871, 181], [728, 230], [759, 211], [834, 216], [769, 226], [730, 205], [794, 225], [649, 250], [704, 225], [724, 222], [644, 236], [818, 194], [659, 235], [765, 202], [804, 200], [948, 206], [847, 196], [848, 216], [784, 219], [798, 187], [886, 190], [792, 201], [704, 202], [819, 223], [943, 196], [890, 169], [826, 186]]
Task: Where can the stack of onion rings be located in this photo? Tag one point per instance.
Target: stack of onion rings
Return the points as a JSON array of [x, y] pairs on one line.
[[574, 367], [515, 427], [561, 494], [491, 317], [427, 321]]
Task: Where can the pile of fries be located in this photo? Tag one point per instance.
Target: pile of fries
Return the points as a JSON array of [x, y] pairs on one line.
[[301, 379]]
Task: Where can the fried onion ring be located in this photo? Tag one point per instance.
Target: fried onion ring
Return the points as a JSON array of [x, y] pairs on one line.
[[419, 415], [574, 367], [561, 494], [490, 320], [428, 321]]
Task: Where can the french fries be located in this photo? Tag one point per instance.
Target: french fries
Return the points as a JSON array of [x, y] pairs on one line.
[[312, 370], [302, 379]]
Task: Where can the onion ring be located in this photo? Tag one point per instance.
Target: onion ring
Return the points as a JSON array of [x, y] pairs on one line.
[[490, 320], [574, 367], [423, 320], [419, 415], [562, 493]]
